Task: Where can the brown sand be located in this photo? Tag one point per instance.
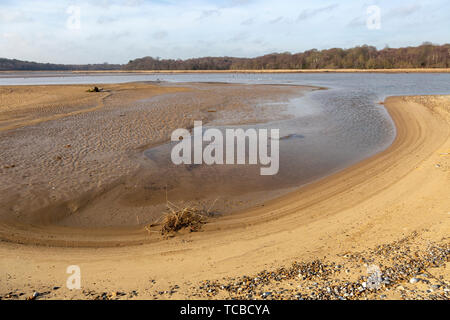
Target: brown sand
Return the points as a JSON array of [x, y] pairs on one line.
[[401, 191], [73, 154]]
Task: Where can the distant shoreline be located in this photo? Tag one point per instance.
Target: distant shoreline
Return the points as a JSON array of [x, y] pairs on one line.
[[414, 70]]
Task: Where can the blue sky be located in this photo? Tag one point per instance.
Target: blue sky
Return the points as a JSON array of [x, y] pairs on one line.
[[116, 31]]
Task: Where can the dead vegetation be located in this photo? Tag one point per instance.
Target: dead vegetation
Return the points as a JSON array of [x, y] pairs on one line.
[[177, 218], [95, 89], [186, 218]]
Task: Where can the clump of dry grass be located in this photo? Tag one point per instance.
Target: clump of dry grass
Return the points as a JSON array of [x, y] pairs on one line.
[[95, 89], [186, 218], [179, 218]]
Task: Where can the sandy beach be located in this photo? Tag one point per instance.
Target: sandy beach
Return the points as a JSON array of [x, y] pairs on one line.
[[390, 207]]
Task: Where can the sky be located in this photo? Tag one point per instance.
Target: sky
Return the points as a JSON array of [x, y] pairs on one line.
[[116, 31]]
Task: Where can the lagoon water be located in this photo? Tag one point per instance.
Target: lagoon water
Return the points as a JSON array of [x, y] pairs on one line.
[[328, 129]]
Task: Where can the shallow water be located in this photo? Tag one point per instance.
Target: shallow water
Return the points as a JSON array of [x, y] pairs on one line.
[[328, 129], [327, 132]]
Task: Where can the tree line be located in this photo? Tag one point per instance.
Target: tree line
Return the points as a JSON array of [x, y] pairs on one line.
[[426, 55], [18, 65]]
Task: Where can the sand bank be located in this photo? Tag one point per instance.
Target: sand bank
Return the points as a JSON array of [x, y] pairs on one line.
[[77, 157], [401, 192]]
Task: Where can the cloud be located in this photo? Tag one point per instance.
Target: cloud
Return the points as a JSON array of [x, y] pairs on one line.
[[15, 17], [160, 35], [357, 22], [239, 37], [107, 19], [133, 3], [236, 3], [248, 22], [276, 20], [404, 10], [108, 37], [209, 13], [398, 13], [309, 13]]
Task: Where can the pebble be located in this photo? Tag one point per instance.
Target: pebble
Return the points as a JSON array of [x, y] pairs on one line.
[[34, 296], [321, 279], [435, 286]]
